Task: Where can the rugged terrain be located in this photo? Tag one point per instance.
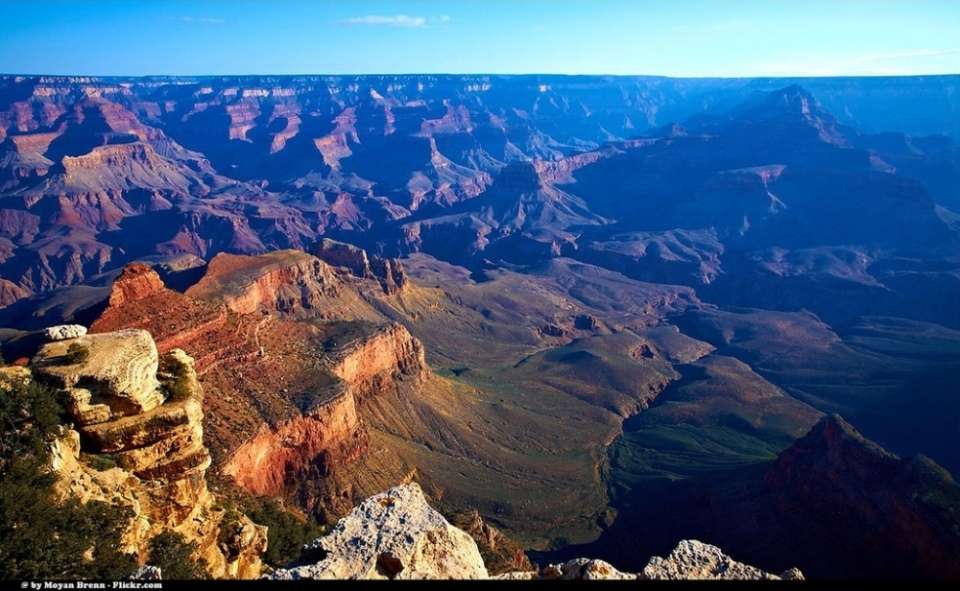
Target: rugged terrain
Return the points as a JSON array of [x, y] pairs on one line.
[[833, 502], [571, 308], [397, 535]]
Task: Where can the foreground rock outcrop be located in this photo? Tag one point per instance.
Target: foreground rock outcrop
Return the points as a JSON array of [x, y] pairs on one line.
[[393, 535], [693, 560], [397, 535], [137, 441]]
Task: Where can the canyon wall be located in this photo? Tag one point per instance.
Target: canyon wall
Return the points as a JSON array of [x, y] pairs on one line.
[[282, 281], [306, 455], [280, 342]]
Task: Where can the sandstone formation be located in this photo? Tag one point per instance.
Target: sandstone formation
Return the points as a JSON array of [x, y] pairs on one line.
[[383, 354], [142, 413], [362, 362], [326, 436], [135, 282], [393, 535], [105, 376], [284, 281]]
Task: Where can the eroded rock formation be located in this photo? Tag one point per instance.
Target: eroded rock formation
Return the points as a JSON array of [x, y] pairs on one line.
[[393, 535], [326, 436], [330, 433], [135, 282], [397, 535], [367, 363], [277, 340], [142, 412], [388, 272]]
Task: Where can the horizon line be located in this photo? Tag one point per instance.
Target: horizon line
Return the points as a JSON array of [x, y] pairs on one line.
[[486, 74]]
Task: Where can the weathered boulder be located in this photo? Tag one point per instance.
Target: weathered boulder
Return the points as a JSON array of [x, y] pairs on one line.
[[693, 560], [64, 331], [393, 535], [115, 372]]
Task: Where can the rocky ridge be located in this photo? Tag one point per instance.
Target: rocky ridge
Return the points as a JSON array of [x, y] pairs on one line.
[[142, 412], [283, 281], [276, 338], [397, 535]]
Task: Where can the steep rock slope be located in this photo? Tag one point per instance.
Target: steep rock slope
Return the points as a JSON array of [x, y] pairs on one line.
[[303, 392], [284, 417], [833, 503]]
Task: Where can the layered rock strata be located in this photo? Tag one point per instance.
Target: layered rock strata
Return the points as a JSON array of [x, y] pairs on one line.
[[330, 432], [289, 376], [143, 414], [284, 281]]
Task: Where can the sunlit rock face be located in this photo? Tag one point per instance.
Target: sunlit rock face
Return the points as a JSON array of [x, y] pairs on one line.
[[393, 535], [142, 411]]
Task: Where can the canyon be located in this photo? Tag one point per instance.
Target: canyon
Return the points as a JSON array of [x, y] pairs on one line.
[[580, 316]]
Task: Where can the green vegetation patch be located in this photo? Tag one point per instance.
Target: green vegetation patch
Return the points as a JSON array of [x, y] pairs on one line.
[[175, 557], [39, 537], [76, 353], [287, 532]]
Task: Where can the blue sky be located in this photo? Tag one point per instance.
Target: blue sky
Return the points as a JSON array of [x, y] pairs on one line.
[[662, 37]]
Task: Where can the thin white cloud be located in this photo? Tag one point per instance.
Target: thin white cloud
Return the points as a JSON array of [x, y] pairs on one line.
[[723, 26], [204, 20], [404, 21], [397, 20]]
